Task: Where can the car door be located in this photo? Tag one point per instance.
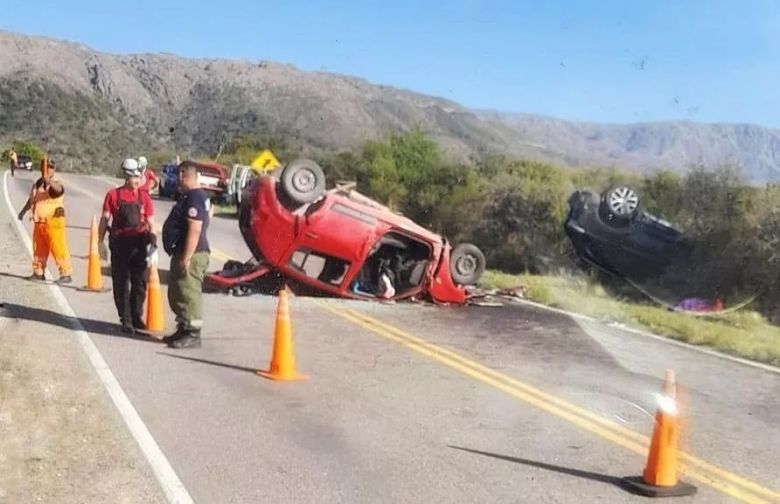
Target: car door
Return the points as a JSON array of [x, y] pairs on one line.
[[334, 234]]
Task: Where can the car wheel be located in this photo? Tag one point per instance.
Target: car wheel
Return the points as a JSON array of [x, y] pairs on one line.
[[621, 202], [467, 264], [303, 181]]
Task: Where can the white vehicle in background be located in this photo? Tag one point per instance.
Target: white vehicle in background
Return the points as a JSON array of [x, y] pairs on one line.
[[240, 177], [24, 162]]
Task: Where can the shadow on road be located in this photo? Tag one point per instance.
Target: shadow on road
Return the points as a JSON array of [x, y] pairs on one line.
[[226, 215], [73, 285], [601, 478], [104, 270], [57, 319], [22, 277], [211, 363]]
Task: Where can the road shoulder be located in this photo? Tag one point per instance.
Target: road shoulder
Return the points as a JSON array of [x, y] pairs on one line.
[[61, 440]]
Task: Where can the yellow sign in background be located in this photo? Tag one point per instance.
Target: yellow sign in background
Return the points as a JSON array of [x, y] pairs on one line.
[[265, 161]]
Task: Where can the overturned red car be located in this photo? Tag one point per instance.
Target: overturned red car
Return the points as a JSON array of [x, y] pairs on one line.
[[341, 243]]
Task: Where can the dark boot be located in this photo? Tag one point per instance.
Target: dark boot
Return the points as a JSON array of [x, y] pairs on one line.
[[190, 339], [176, 335], [64, 280], [127, 328]]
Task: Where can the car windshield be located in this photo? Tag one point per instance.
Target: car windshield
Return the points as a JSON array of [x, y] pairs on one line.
[[395, 266]]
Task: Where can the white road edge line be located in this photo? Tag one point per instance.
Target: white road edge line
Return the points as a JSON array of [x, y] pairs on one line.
[[172, 487], [664, 339]]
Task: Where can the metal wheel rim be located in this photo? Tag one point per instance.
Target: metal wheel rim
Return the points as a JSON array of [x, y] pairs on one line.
[[304, 181], [623, 201], [466, 265]]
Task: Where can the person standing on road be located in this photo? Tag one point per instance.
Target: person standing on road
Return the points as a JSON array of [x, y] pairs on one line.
[[14, 159], [131, 232], [47, 202], [149, 180], [185, 240]]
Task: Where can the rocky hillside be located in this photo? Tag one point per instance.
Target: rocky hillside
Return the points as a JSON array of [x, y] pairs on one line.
[[649, 146], [93, 108]]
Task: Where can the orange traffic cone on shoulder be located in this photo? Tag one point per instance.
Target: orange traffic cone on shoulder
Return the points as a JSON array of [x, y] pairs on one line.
[[94, 274], [155, 318], [283, 359], [661, 475]]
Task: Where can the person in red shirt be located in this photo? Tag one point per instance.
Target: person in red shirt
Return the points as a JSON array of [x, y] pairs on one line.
[[131, 233], [149, 180]]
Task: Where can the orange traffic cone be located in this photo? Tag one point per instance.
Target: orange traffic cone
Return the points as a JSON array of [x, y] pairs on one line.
[[155, 320], [660, 477], [94, 274], [283, 359]]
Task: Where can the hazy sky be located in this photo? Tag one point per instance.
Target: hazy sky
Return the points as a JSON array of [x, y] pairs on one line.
[[613, 61]]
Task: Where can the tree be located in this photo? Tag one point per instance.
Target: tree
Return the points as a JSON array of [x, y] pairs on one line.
[[406, 171], [242, 149], [342, 165], [25, 149], [662, 194], [717, 215], [522, 218]]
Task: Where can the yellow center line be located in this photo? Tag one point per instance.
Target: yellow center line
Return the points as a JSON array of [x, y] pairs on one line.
[[221, 256], [635, 436], [734, 485]]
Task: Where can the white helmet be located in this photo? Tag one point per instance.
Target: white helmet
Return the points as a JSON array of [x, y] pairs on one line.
[[142, 162], [130, 168]]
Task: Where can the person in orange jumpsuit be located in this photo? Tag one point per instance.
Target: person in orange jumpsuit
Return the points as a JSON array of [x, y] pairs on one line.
[[47, 202]]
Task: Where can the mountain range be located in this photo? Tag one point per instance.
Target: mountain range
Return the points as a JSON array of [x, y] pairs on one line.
[[93, 108]]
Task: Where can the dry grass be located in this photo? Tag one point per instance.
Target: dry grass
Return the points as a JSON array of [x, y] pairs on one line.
[[743, 333]]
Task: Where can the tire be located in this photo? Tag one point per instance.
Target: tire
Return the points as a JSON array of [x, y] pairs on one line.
[[303, 181], [621, 202], [467, 264]]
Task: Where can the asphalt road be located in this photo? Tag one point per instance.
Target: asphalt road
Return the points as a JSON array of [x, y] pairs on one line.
[[414, 403]]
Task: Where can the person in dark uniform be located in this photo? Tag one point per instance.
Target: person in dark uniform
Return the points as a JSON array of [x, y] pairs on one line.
[[131, 232], [185, 240]]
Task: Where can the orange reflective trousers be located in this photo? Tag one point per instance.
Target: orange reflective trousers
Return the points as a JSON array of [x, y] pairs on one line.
[[50, 238]]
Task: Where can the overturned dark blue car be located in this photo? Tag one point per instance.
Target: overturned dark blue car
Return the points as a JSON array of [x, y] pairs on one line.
[[611, 232]]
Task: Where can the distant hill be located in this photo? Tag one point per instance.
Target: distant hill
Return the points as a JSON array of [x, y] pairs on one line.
[[649, 146], [94, 108]]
